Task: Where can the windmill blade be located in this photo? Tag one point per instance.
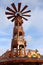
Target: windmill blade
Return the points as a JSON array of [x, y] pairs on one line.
[[19, 6], [10, 17], [9, 13], [24, 18], [9, 9], [27, 15], [24, 8], [14, 7], [13, 19], [26, 11]]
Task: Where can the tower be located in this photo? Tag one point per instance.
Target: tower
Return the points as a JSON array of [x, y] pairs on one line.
[[18, 43]]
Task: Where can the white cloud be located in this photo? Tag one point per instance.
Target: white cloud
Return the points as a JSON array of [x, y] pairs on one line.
[[24, 1], [3, 33], [40, 51], [36, 3], [28, 38], [4, 45], [26, 24], [4, 39], [37, 44], [2, 51], [4, 22], [6, 2], [37, 19]]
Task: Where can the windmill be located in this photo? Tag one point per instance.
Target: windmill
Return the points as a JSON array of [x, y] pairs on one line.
[[17, 15]]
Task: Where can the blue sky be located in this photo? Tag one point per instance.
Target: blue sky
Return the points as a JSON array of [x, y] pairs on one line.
[[33, 27]]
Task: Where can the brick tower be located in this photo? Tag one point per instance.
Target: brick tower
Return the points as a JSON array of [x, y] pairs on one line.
[[18, 41]]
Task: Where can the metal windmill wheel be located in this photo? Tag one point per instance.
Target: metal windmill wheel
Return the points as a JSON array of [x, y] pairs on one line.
[[13, 13]]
